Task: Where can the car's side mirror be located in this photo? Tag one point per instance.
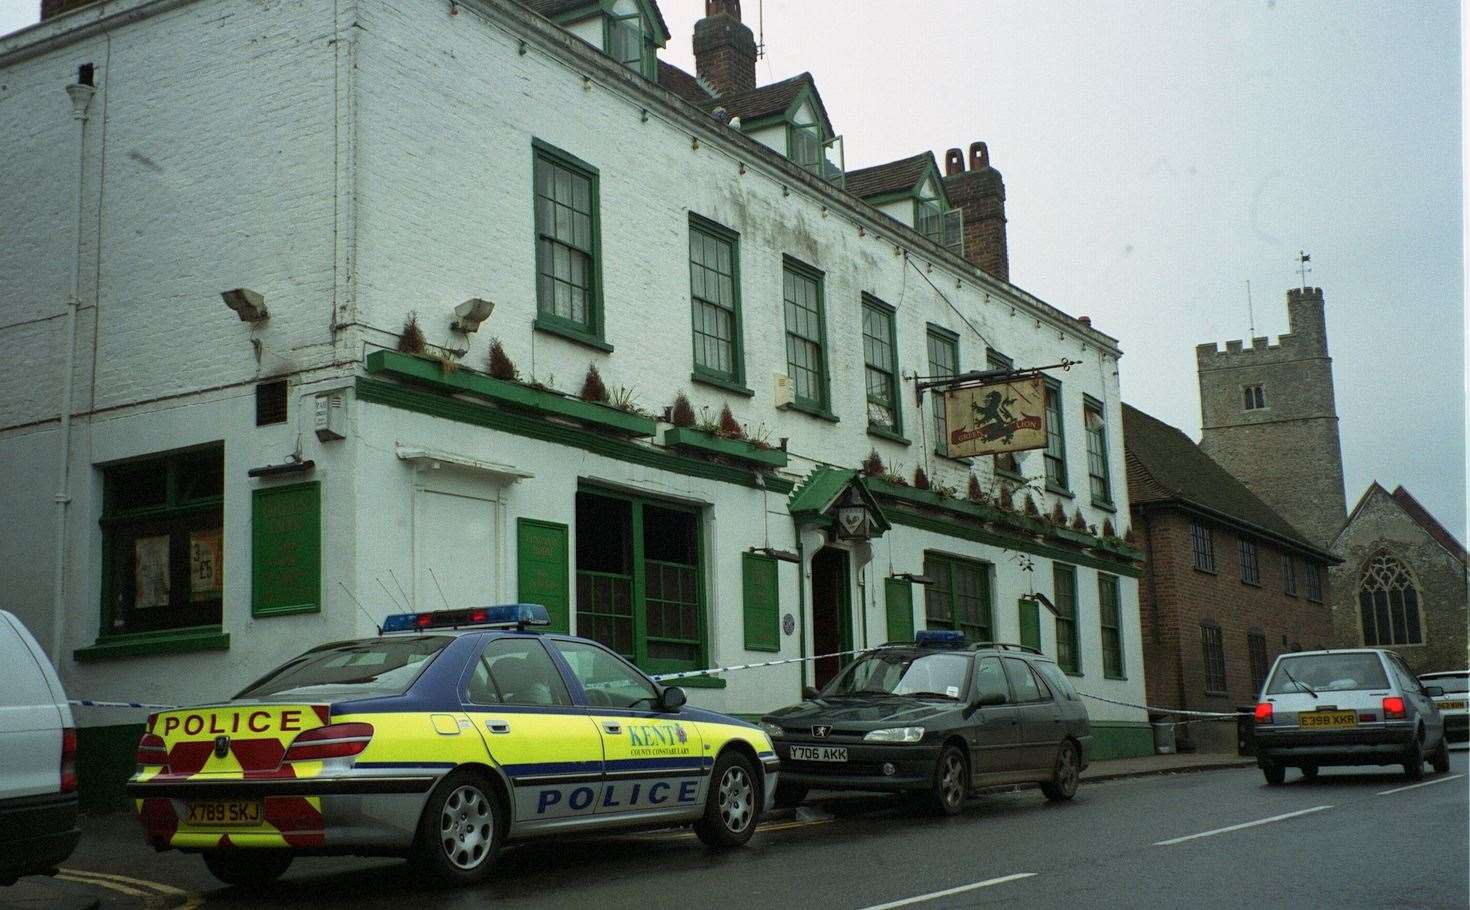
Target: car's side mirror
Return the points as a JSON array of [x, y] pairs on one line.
[[987, 699], [671, 699], [808, 693], [1433, 691]]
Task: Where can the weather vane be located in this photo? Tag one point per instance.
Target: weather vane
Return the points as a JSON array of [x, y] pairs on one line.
[[1302, 258]]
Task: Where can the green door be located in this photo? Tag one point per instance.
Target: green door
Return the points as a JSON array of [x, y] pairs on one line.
[[541, 569]]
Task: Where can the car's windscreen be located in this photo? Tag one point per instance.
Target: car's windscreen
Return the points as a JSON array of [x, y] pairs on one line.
[[933, 675], [1327, 673], [1452, 685], [354, 669]]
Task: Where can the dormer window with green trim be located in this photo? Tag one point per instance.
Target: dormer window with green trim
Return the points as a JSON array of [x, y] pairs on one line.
[[628, 31], [811, 151], [630, 44], [911, 191]]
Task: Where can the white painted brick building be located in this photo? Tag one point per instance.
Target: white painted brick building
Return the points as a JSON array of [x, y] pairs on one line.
[[356, 161]]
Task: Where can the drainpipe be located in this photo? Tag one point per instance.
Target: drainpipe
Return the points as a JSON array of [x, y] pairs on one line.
[[81, 93]]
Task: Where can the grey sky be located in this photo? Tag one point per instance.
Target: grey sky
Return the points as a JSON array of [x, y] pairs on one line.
[[1157, 156]]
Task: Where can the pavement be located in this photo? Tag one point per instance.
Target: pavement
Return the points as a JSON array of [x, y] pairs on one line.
[[1139, 833]]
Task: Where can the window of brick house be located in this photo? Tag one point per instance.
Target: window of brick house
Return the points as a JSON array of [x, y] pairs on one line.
[[1250, 562], [1202, 538], [163, 539], [1213, 642], [1255, 643], [1288, 574], [1313, 571]]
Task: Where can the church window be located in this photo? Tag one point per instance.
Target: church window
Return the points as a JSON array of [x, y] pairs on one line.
[[1389, 603], [1255, 397]]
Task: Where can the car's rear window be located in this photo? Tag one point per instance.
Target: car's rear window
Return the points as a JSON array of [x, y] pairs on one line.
[[1058, 680], [1450, 684], [1327, 673], [353, 669]]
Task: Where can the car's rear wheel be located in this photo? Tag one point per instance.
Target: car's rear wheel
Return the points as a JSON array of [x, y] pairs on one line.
[[1063, 784], [1414, 761], [732, 807], [247, 868], [1309, 772], [951, 782], [789, 796], [1275, 773], [461, 829], [1440, 758]]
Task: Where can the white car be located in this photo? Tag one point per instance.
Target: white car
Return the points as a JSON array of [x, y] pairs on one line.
[[38, 745], [1454, 704]]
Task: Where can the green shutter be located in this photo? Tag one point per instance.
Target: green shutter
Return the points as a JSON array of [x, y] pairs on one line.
[[762, 595], [898, 596], [286, 549], [1030, 623], [541, 569]]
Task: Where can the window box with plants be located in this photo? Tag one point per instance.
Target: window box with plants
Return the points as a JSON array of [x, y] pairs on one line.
[[510, 392], [725, 437]]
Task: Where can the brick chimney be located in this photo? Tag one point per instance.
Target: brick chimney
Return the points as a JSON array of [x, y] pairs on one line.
[[981, 193], [51, 8], [724, 48]]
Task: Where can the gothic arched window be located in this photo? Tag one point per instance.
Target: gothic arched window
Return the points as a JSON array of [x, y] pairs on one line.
[[1389, 603]]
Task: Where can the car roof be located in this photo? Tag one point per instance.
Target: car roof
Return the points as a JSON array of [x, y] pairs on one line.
[[1441, 674]]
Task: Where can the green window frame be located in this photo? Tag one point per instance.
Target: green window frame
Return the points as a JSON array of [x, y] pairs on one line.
[[804, 147], [714, 294], [286, 549], [880, 362], [568, 245], [929, 217], [1110, 626], [962, 596], [1095, 423], [163, 543], [761, 601], [1055, 453], [944, 360], [806, 336], [649, 609], [1064, 598], [628, 42]]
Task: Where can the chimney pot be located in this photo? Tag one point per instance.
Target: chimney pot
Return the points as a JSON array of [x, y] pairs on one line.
[[979, 156], [729, 8], [954, 162], [1085, 320]]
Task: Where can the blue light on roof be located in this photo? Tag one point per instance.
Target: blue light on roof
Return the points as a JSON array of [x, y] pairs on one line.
[[504, 615], [940, 637]]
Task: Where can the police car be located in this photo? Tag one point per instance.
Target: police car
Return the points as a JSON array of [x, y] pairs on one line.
[[442, 738]]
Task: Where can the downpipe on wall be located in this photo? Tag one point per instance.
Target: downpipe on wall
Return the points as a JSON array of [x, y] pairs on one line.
[[81, 93]]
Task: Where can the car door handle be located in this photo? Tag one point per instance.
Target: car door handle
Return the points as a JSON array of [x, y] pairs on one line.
[[497, 726], [612, 726]]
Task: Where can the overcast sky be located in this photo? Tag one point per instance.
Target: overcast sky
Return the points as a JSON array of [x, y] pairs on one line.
[[1157, 156]]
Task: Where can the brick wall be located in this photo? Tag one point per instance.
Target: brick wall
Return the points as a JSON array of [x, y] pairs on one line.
[[981, 193], [1175, 598]]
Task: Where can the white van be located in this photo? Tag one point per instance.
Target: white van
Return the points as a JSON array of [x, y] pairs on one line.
[[38, 748]]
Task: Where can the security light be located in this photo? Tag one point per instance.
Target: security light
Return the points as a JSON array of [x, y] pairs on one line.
[[248, 304], [469, 315], [912, 578]]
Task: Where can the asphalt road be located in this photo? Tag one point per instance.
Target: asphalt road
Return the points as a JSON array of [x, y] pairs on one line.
[[1357, 837]]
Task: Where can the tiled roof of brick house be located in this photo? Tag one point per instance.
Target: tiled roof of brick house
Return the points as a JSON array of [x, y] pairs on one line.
[[1167, 467]]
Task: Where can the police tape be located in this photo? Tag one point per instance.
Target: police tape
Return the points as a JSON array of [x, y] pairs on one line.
[[89, 703], [665, 677], [1217, 715]]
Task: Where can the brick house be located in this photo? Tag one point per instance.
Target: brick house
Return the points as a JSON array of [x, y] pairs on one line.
[[1228, 584]]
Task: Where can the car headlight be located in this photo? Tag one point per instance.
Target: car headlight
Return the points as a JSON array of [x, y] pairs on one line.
[[773, 731], [895, 735]]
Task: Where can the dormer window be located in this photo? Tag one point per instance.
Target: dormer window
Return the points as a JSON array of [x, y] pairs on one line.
[[787, 117], [625, 42], [911, 191], [628, 31]]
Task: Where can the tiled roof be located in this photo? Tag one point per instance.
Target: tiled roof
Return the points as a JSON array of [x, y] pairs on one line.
[[894, 177], [675, 80], [767, 99], [1166, 466], [553, 8], [1428, 522]]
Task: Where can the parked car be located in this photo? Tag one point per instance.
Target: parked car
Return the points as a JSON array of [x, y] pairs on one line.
[[1352, 707], [38, 749], [1453, 702], [441, 738], [939, 716]]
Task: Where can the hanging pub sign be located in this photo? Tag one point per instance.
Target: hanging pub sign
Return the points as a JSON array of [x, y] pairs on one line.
[[1004, 416]]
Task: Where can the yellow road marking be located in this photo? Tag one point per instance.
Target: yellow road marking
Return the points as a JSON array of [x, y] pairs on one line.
[[110, 876], [114, 886]]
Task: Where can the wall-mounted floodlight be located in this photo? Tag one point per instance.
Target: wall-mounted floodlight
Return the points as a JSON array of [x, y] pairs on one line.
[[469, 315], [248, 304], [912, 579]]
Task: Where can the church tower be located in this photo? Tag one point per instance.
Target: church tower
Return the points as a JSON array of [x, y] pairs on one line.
[[1269, 417]]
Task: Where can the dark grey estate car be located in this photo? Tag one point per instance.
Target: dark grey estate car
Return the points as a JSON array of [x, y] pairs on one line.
[[1360, 706], [940, 716]]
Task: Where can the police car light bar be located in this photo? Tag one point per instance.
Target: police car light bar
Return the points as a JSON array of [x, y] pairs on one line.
[[940, 638], [503, 616]]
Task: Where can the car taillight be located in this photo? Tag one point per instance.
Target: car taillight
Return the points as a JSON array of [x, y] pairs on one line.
[[1393, 707], [331, 741], [1263, 712], [151, 750], [68, 760]]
